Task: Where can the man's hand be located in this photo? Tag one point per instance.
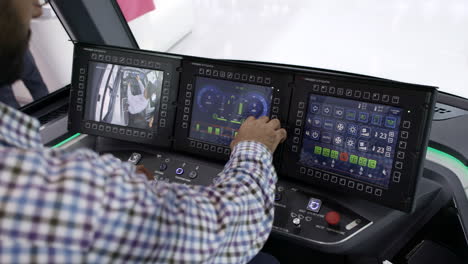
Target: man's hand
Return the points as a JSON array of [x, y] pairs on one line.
[[263, 130]]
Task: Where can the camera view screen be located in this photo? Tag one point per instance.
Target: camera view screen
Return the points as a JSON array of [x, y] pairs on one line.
[[124, 96], [352, 138], [220, 107]]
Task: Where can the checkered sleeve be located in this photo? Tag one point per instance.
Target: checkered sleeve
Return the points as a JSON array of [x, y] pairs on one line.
[[246, 186], [60, 207], [174, 223]]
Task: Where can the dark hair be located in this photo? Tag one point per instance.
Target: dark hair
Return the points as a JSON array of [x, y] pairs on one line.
[[13, 47]]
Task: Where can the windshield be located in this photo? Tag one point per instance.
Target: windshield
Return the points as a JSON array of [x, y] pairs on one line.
[[422, 42]]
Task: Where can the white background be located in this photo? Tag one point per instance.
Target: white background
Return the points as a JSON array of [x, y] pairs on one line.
[[418, 41]]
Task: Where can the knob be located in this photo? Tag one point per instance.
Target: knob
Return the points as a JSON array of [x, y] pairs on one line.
[[179, 171], [163, 167], [297, 221], [193, 174], [277, 196], [333, 218]]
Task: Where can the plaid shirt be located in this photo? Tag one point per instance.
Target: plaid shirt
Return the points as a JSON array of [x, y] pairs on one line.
[[73, 207]]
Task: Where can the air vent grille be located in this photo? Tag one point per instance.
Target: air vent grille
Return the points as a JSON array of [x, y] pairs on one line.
[[443, 111], [60, 112]]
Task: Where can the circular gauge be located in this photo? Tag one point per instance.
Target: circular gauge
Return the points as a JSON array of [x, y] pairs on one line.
[[209, 99], [256, 105]]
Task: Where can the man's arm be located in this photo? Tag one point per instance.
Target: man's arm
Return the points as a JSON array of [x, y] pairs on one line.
[[82, 207], [141, 85], [224, 223], [174, 223]]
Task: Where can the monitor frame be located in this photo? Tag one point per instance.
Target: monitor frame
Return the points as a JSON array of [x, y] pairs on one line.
[[234, 72], [416, 102], [85, 54]]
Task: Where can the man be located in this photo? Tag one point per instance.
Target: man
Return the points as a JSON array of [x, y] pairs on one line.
[[30, 75], [75, 207], [138, 102]]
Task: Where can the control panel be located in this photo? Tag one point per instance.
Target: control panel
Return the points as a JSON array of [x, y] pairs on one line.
[[167, 167], [313, 217], [361, 136], [299, 213], [358, 135]]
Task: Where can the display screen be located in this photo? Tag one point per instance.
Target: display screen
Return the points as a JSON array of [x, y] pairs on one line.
[[352, 138], [221, 106], [124, 96]]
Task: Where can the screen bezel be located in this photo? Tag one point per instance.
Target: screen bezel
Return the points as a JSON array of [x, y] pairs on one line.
[[232, 86], [416, 103], [162, 131], [232, 72], [88, 111], [368, 154]]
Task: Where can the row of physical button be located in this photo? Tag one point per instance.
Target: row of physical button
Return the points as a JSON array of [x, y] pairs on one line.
[[357, 94], [401, 154], [341, 181], [186, 112], [235, 76], [209, 147], [187, 102], [162, 120], [164, 104], [297, 129], [80, 93], [128, 61], [121, 131], [300, 216]]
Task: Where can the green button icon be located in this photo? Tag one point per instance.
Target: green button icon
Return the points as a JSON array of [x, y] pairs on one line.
[[334, 154], [362, 161], [351, 115], [326, 152], [318, 150], [353, 159], [372, 164]]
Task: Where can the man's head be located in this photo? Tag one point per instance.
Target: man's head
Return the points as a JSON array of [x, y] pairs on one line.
[[14, 29]]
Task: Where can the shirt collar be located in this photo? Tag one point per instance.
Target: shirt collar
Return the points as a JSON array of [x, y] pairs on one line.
[[18, 129]]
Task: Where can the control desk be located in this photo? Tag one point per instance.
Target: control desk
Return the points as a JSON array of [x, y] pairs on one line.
[[351, 167]]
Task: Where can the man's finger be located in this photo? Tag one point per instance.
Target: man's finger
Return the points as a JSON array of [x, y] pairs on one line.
[[264, 119], [250, 118], [281, 134], [275, 124]]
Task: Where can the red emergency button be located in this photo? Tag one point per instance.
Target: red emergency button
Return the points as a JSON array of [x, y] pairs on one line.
[[333, 218]]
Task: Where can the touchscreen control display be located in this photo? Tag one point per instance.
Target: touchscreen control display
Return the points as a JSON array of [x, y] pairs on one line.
[[220, 107], [123, 95], [353, 138]]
